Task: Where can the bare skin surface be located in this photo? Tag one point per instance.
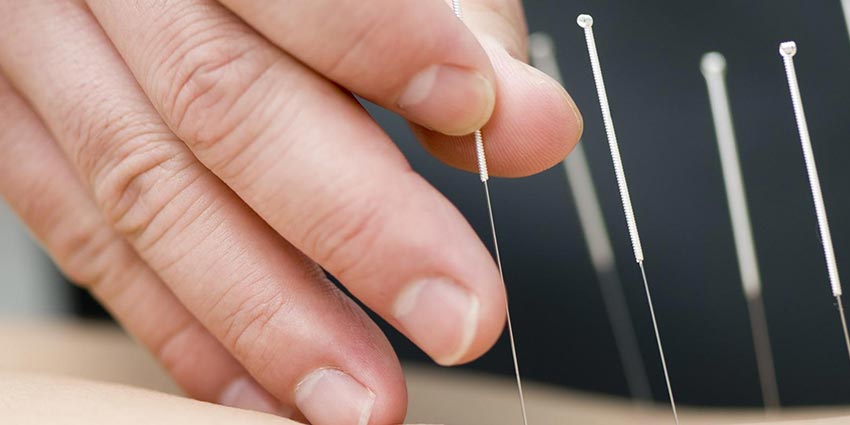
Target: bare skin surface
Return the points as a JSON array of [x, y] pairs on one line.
[[75, 401], [97, 352]]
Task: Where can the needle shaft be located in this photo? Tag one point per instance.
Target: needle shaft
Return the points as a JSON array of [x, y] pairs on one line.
[[507, 307], [484, 176], [714, 70], [843, 323], [586, 22], [764, 355], [660, 346], [597, 239]]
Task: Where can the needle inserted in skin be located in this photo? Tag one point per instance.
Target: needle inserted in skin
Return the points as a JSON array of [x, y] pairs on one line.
[[788, 50], [542, 52], [586, 22], [714, 71], [485, 177]]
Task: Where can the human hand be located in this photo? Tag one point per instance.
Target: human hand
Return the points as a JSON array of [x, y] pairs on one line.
[[193, 163]]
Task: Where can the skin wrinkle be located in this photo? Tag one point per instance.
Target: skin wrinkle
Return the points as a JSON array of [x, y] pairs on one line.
[[209, 82], [357, 222], [256, 325], [167, 348], [350, 123], [124, 188], [234, 164], [195, 34], [144, 206], [125, 284], [369, 28], [74, 245], [86, 255], [248, 276], [245, 166], [199, 209]]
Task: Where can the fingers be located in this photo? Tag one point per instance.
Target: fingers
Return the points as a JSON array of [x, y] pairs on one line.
[[535, 123], [313, 164], [61, 215], [301, 338], [413, 57]]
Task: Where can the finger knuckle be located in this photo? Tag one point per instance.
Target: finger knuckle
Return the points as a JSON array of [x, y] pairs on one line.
[[254, 321], [92, 255], [214, 78], [341, 238], [138, 177], [83, 250]]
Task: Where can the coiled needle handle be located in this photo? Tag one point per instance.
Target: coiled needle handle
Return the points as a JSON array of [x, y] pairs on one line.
[[788, 50], [586, 22]]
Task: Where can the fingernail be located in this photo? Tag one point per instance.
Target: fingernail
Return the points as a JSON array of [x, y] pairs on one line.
[[332, 397], [245, 393], [449, 99], [440, 316]]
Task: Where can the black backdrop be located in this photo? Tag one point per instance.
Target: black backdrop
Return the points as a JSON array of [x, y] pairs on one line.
[[650, 51]]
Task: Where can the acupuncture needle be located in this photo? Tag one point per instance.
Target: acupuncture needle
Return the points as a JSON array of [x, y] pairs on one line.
[[542, 52], [586, 22], [485, 177], [788, 50], [713, 68]]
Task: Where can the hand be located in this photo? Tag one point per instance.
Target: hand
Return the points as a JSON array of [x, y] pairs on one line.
[[193, 162]]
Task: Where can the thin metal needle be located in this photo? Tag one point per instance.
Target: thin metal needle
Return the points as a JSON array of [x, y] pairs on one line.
[[843, 323], [485, 176], [597, 239], [713, 68], [788, 50], [507, 307], [658, 340], [586, 22], [764, 355]]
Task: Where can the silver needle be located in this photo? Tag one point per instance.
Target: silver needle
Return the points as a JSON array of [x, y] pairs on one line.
[[714, 70], [586, 22], [542, 52], [485, 177], [788, 50]]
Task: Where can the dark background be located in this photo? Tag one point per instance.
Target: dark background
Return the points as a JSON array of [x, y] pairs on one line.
[[650, 52]]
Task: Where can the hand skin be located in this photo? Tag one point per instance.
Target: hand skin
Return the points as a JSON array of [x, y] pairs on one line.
[[193, 163]]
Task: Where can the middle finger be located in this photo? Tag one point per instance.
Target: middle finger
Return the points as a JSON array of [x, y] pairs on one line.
[[316, 167]]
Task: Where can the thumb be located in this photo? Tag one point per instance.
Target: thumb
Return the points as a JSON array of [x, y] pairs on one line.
[[535, 123]]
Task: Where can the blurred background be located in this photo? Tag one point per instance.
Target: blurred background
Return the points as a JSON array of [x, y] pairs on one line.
[[650, 52]]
